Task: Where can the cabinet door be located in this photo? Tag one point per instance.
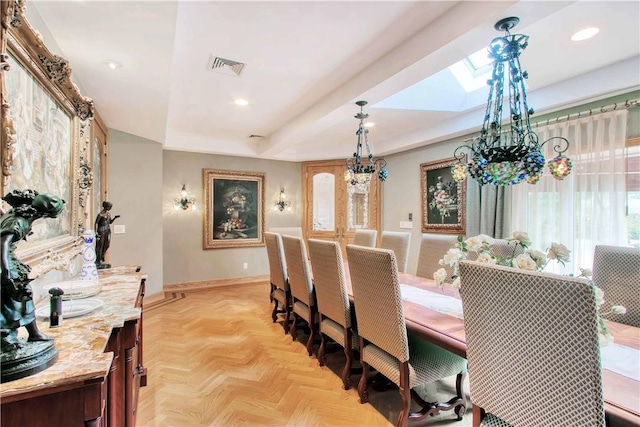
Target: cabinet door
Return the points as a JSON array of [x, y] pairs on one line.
[[333, 209]]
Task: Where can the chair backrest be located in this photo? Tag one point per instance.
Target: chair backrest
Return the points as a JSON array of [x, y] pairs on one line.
[[505, 249], [277, 263], [329, 281], [432, 249], [364, 237], [616, 270], [377, 299], [287, 231], [300, 280], [398, 242], [532, 341]]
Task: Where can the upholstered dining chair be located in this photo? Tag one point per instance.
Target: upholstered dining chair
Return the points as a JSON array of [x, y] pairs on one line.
[[504, 248], [303, 298], [532, 347], [432, 249], [365, 237], [280, 294], [398, 242], [335, 313], [385, 344], [287, 231], [616, 270]]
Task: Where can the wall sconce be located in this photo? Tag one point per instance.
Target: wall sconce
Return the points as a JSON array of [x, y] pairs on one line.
[[184, 202], [281, 203]]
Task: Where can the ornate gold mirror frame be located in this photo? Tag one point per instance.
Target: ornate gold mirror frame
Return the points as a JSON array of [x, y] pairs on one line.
[[46, 138]]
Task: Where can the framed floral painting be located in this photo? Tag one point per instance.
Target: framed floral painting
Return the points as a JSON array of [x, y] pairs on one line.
[[443, 200], [234, 209]]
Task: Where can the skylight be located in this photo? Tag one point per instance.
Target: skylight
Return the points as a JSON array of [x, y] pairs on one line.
[[473, 71], [479, 59]]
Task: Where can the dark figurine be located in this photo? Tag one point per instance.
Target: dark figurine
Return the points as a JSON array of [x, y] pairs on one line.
[[17, 296], [103, 233]]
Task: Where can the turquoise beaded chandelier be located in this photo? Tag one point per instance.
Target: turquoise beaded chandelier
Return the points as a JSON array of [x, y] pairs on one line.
[[512, 155]]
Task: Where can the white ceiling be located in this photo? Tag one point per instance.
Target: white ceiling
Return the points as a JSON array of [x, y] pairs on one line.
[[307, 62]]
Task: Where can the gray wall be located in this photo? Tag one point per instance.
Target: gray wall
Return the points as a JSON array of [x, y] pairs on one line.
[[184, 258], [135, 188]]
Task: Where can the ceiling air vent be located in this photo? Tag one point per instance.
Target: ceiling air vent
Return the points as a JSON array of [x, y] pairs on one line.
[[225, 66]]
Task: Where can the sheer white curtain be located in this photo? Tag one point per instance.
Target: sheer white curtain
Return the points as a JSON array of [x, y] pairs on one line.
[[588, 206]]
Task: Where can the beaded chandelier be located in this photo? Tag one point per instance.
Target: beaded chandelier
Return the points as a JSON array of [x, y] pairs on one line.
[[359, 170], [512, 155]]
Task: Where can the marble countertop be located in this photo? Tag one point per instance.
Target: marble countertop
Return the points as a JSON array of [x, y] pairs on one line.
[[81, 341]]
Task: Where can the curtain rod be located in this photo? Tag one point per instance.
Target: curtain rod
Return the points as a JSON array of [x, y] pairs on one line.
[[603, 109]]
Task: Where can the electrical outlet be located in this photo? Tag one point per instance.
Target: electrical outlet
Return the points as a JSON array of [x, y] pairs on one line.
[[245, 265]]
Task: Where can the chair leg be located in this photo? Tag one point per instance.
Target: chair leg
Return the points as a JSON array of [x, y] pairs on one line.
[[362, 385], [274, 313], [346, 371], [478, 415], [462, 407], [320, 354], [405, 394], [312, 335], [293, 330]]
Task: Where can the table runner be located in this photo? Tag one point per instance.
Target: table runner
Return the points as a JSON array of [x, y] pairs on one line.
[[442, 303], [621, 360]]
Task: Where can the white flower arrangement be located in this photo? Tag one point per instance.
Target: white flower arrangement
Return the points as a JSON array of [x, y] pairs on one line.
[[526, 259]]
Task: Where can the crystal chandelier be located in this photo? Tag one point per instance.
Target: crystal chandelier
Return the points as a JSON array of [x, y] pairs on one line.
[[511, 156], [359, 170]]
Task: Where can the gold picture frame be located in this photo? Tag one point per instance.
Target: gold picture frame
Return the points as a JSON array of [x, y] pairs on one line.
[[234, 209], [443, 200], [44, 141]]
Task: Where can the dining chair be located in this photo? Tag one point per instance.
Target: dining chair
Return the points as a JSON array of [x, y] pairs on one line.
[[303, 299], [532, 346], [335, 313], [432, 249], [398, 242], [280, 294], [287, 231], [365, 237], [504, 248], [385, 344], [616, 270]]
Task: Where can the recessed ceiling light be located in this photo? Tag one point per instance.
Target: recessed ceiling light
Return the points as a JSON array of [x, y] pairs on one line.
[[113, 65], [587, 33], [369, 124], [241, 102]]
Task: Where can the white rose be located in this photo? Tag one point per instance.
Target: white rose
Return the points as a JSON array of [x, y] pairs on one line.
[[474, 243], [486, 259], [520, 237], [524, 262], [586, 272], [456, 283], [487, 239], [440, 276], [599, 296], [618, 309], [559, 251], [452, 257], [538, 256]]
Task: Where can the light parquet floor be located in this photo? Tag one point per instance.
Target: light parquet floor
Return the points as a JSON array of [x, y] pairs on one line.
[[214, 358]]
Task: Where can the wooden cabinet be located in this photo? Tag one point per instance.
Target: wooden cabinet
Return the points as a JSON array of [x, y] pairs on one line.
[[86, 387], [333, 209], [124, 380]]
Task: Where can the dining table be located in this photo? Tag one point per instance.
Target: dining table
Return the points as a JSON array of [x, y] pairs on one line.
[[444, 326]]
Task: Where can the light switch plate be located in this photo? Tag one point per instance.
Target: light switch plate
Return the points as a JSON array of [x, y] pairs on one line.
[[119, 229], [406, 224]]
